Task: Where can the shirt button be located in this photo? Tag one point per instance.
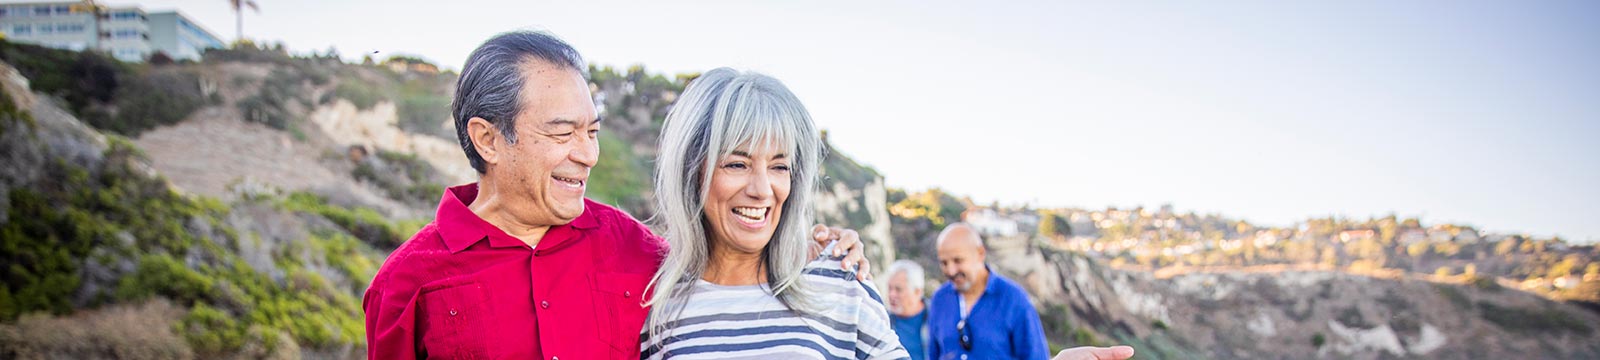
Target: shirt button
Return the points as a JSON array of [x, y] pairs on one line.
[[545, 304], [963, 356], [452, 312], [627, 294]]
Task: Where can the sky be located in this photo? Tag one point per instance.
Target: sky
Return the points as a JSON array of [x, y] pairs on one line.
[[1475, 112]]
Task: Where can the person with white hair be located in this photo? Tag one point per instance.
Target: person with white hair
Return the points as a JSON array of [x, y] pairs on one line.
[[908, 310], [739, 163]]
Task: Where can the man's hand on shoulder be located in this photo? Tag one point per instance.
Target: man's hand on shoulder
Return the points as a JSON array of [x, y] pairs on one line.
[[849, 243], [1095, 353]]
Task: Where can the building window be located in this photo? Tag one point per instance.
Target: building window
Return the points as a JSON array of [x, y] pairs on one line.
[[46, 29], [41, 11], [23, 29], [69, 28], [63, 10], [124, 15], [125, 34]]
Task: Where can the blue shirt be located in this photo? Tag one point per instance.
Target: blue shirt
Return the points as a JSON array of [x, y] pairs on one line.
[[1002, 324], [913, 332]]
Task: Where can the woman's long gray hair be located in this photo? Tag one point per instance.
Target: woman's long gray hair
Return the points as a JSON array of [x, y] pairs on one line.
[[722, 111]]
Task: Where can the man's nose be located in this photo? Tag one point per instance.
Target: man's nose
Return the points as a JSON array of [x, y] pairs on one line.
[[587, 152]]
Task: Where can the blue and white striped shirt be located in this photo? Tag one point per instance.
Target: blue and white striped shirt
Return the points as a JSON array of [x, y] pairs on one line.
[[748, 322]]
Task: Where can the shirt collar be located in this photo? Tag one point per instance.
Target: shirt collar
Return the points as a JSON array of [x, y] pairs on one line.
[[461, 228], [988, 284]]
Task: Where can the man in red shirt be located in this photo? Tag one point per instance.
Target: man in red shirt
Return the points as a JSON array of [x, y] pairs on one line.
[[520, 265]]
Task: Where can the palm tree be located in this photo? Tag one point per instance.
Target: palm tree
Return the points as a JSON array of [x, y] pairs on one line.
[[238, 13]]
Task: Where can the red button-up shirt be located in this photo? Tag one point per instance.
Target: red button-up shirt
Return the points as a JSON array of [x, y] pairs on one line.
[[462, 288]]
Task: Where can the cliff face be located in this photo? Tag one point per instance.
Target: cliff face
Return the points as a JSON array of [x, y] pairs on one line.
[[853, 196], [1288, 314]]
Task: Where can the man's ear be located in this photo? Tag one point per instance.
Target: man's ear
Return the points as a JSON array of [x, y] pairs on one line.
[[485, 139]]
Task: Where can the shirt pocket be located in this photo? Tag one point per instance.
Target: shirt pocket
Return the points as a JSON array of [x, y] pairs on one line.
[[455, 321], [620, 306]]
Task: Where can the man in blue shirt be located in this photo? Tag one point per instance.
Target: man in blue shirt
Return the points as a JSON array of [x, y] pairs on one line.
[[908, 313], [979, 314]]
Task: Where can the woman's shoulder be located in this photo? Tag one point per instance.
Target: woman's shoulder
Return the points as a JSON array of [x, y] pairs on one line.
[[828, 277]]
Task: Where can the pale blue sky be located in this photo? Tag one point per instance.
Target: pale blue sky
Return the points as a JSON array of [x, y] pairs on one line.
[[1477, 112]]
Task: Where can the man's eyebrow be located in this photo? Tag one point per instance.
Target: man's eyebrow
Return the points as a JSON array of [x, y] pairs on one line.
[[565, 121], [561, 121], [597, 120]]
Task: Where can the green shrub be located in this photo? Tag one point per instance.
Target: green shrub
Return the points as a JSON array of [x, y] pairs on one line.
[[363, 95], [151, 98], [364, 223], [160, 274], [620, 177], [403, 176], [270, 106], [424, 112], [211, 331]]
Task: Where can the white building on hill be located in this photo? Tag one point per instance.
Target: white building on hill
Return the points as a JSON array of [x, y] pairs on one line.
[[127, 33]]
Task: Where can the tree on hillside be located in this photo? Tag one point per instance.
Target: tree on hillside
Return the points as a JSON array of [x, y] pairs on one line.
[[1052, 226], [238, 13]]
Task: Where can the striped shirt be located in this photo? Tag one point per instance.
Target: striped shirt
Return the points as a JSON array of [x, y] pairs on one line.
[[748, 322]]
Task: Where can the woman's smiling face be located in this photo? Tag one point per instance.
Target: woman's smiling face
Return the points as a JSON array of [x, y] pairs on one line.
[[746, 196]]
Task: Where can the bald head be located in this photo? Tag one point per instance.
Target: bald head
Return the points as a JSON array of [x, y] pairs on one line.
[[959, 235], [961, 256]]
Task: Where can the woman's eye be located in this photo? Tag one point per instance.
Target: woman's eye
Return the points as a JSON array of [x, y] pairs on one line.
[[734, 166], [783, 168]]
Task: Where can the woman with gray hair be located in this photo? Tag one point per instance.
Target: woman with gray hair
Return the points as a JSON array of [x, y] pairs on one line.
[[739, 161]]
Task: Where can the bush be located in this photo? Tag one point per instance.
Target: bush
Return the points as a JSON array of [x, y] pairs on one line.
[[106, 93], [423, 113], [404, 177], [151, 98], [160, 274], [211, 331], [270, 106], [364, 96], [364, 223], [82, 79]]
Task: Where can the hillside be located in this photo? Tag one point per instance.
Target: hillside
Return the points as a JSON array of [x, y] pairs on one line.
[[237, 207], [106, 259]]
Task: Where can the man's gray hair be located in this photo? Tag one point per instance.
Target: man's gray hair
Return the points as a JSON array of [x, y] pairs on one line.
[[720, 112], [491, 83], [915, 277]]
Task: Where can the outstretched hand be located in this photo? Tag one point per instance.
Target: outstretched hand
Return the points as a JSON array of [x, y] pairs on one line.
[[1095, 353], [849, 245]]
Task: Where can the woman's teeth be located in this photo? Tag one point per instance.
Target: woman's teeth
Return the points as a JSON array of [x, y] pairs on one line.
[[750, 214]]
